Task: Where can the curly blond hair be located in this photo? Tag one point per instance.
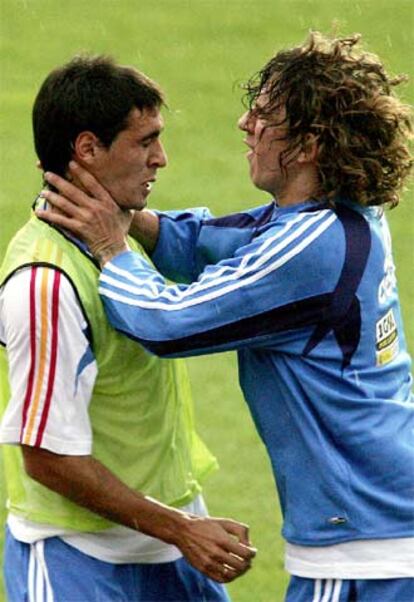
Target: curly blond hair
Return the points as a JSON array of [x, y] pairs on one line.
[[344, 98]]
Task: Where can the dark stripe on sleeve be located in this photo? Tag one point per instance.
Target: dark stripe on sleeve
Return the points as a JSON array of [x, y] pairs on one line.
[[293, 315], [344, 317], [241, 220]]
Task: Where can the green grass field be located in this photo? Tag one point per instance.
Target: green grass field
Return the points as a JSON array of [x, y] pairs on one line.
[[199, 50]]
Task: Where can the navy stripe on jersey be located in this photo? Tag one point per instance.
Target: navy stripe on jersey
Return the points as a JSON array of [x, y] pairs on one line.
[[344, 317], [294, 315], [241, 220]]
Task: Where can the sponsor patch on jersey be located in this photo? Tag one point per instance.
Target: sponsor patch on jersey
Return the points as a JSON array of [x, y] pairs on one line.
[[386, 339]]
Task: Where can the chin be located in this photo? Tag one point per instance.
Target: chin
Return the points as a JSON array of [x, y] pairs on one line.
[[135, 204], [260, 185], [141, 205]]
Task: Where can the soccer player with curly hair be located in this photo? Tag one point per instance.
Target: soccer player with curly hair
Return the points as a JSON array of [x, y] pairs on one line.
[[304, 289]]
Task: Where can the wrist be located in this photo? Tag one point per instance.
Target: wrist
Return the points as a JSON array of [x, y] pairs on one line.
[[145, 229], [178, 527], [107, 253], [172, 526], [155, 519]]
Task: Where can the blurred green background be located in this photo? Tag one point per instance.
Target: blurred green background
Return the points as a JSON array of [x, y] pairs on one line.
[[200, 51]]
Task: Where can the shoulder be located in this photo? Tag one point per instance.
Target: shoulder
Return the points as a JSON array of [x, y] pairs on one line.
[[304, 246], [299, 230], [32, 277], [35, 291], [249, 218]]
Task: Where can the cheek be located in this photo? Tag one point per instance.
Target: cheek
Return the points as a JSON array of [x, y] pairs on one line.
[[262, 142], [262, 155], [129, 169], [270, 150], [135, 164]]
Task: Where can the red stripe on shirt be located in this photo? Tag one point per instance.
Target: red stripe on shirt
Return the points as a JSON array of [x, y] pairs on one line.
[[30, 380], [53, 358]]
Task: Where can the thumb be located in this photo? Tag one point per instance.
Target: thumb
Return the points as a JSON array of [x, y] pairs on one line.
[[238, 530]]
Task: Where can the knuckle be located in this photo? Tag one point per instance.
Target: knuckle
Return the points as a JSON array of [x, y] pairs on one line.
[[207, 565]]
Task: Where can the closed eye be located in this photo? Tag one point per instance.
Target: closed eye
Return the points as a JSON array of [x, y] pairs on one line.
[[147, 140]]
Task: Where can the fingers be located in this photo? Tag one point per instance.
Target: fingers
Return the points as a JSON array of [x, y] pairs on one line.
[[234, 564], [230, 568], [236, 556], [59, 202], [229, 574], [89, 182], [71, 192], [239, 550], [239, 530], [223, 572], [230, 559], [58, 219], [239, 544], [212, 545]]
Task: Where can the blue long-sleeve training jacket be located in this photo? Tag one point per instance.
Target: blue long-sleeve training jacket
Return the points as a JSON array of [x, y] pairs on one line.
[[307, 296]]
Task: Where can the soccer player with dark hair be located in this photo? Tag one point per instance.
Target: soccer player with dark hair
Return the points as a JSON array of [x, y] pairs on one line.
[[304, 289], [104, 466]]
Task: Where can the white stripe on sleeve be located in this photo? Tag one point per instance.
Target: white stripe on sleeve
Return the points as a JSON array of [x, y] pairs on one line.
[[175, 293]]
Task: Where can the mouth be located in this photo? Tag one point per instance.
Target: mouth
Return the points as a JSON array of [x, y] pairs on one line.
[[148, 184], [250, 147], [249, 153]]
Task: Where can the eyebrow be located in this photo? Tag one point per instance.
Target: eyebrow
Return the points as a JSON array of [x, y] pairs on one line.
[[152, 135]]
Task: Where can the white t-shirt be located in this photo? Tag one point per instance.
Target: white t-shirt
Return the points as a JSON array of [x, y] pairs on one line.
[[52, 375], [368, 559]]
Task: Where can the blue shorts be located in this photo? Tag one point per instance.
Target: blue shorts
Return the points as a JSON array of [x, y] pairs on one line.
[[52, 571], [344, 590]]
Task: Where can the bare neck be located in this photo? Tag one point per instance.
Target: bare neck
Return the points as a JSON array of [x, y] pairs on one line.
[[299, 187]]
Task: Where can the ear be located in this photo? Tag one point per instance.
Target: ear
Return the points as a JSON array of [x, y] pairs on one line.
[[86, 148], [309, 150]]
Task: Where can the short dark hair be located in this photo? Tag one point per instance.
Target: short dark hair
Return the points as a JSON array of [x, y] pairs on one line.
[[344, 97], [87, 93]]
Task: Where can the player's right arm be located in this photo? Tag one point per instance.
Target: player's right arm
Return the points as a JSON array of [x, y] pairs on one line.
[[52, 374], [208, 543]]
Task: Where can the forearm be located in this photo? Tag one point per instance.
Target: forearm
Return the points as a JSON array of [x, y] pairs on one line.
[[145, 229], [209, 544], [189, 241], [87, 482], [208, 316]]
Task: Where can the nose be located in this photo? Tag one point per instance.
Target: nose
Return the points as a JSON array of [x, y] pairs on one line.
[[245, 122], [159, 156]]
